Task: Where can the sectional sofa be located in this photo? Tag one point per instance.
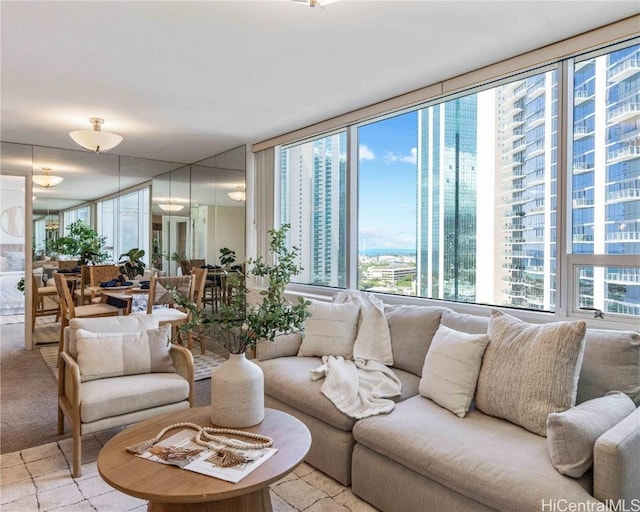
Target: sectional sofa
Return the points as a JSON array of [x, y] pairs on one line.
[[423, 457]]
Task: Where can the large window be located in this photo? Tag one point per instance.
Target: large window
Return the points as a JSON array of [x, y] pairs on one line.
[[459, 199], [313, 193]]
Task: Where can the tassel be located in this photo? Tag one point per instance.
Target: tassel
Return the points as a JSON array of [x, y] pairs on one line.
[[226, 458], [140, 448]]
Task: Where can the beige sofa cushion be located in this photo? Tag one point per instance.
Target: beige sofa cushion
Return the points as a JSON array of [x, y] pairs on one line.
[[529, 371], [412, 328], [104, 355], [450, 371], [128, 323], [330, 330], [488, 459], [611, 362], [463, 322], [288, 380], [121, 395], [572, 434], [282, 346]]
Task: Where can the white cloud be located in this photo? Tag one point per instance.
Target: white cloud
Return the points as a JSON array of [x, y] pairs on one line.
[[364, 153], [411, 158]]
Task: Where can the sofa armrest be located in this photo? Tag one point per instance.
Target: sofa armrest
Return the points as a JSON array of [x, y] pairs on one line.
[[282, 346], [183, 363], [69, 375], [616, 461]]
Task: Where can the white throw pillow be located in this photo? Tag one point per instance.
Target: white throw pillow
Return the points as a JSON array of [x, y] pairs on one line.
[[572, 434], [113, 354], [451, 369], [330, 330]]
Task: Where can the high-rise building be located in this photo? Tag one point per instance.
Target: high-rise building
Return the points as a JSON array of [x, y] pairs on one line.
[[313, 178], [447, 175]]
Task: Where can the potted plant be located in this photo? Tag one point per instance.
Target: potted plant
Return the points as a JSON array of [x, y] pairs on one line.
[[132, 265], [240, 325], [227, 257], [83, 242]]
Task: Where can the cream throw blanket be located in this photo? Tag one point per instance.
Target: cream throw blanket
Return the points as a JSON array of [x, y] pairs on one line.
[[362, 387]]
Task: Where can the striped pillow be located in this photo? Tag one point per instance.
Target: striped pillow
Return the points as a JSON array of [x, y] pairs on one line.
[[114, 354]]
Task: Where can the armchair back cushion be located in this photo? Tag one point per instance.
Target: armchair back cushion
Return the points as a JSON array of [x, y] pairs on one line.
[[131, 323], [104, 355]]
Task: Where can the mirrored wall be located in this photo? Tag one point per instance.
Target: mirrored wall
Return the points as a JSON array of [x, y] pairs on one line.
[[174, 211]]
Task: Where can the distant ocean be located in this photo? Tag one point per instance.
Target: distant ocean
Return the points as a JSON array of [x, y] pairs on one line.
[[372, 253]]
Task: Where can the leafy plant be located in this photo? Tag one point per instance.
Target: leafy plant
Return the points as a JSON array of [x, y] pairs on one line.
[[227, 257], [20, 284], [133, 265], [84, 242], [239, 325]]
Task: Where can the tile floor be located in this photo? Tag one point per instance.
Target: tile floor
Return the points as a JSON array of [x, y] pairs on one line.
[[38, 479]]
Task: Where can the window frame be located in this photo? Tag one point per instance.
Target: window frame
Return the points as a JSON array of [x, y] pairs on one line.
[[566, 306]]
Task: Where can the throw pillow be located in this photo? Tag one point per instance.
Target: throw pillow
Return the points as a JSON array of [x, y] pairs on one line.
[[113, 354], [450, 371], [330, 330], [611, 361], [529, 370], [572, 434], [284, 345]]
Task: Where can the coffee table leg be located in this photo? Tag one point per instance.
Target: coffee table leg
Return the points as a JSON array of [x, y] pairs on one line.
[[258, 501]]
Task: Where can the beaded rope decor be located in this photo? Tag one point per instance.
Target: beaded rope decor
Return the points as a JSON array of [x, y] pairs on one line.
[[206, 436]]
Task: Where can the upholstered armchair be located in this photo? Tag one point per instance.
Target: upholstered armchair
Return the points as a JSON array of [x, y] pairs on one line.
[[116, 371]]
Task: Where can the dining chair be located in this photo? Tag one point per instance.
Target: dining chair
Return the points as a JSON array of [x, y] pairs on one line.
[[69, 310], [82, 294], [198, 298], [39, 295], [161, 303], [67, 264]]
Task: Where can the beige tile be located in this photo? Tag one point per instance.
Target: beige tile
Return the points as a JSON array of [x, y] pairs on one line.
[[52, 499], [22, 505], [40, 452], [290, 476], [353, 503], [115, 501], [303, 469], [49, 465], [93, 486], [10, 459], [83, 506], [53, 479], [14, 474], [324, 483], [16, 491], [66, 445], [298, 493], [326, 505], [279, 505], [89, 470], [89, 450]]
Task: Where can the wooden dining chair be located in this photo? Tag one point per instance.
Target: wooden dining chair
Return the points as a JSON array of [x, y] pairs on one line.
[[160, 294], [198, 298], [69, 310], [67, 264], [38, 306]]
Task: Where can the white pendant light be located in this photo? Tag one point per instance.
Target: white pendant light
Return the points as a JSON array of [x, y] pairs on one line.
[[238, 195], [45, 179], [171, 207], [96, 140]]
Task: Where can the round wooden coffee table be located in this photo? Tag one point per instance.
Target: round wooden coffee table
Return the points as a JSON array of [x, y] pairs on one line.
[[169, 488]]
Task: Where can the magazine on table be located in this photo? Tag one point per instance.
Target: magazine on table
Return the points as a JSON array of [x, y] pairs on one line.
[[181, 450]]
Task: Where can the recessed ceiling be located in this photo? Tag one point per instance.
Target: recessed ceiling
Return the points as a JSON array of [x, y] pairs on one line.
[[181, 81]]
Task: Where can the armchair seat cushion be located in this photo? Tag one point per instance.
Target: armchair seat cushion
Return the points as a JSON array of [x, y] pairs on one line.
[[95, 309], [169, 315], [116, 396]]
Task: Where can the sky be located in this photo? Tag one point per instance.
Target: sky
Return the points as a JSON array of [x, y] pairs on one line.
[[387, 183]]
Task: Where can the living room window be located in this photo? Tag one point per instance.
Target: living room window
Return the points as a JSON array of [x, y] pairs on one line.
[[467, 198]]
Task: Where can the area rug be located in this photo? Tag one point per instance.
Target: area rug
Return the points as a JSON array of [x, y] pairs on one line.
[[47, 330], [203, 364]]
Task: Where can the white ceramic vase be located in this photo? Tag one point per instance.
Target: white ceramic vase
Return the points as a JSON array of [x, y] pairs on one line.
[[237, 393]]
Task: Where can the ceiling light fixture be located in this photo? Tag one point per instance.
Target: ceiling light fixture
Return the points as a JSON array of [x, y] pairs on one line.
[[315, 3], [238, 195], [171, 207], [96, 140], [45, 179]]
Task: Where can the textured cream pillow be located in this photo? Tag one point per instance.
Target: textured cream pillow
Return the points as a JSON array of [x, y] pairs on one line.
[[102, 354], [330, 330], [451, 367], [572, 434], [529, 371]]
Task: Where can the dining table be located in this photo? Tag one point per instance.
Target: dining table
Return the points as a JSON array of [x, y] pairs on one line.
[[129, 298]]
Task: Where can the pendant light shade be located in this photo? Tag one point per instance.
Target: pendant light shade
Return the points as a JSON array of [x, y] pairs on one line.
[[96, 140], [171, 207], [238, 195], [45, 179]]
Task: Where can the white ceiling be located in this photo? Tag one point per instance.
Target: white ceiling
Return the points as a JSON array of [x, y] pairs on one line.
[[181, 81]]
